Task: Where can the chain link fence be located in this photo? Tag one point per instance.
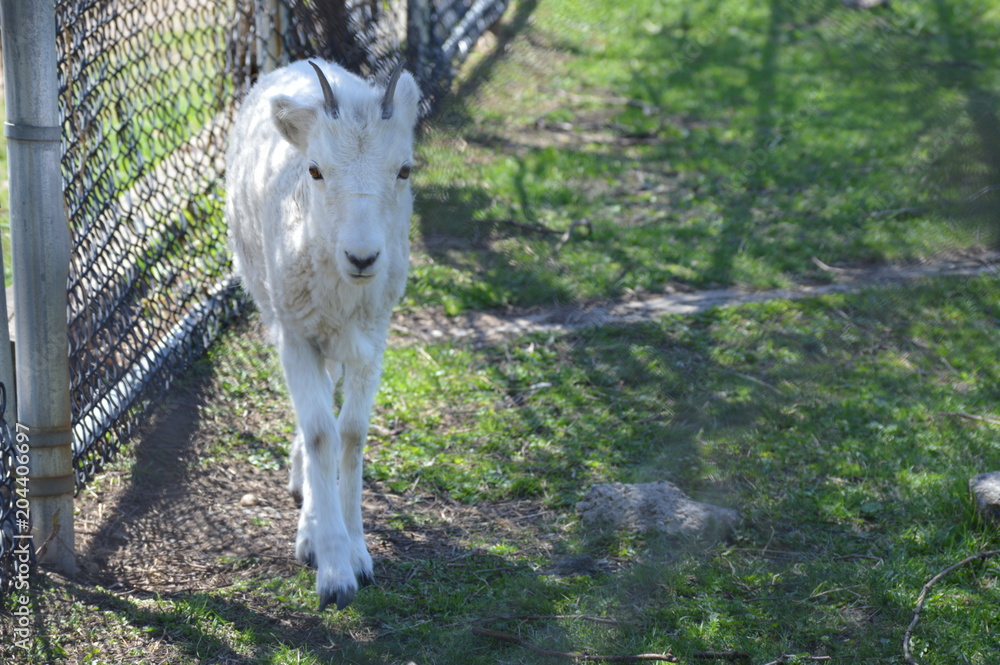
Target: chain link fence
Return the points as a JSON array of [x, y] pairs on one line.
[[147, 94], [148, 91], [145, 101]]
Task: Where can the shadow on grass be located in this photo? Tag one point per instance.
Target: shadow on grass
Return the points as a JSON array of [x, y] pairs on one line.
[[826, 423], [820, 392], [840, 98], [265, 622], [806, 130], [157, 546], [971, 168]]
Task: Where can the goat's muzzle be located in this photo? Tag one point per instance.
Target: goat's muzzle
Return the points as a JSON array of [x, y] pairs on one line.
[[362, 265]]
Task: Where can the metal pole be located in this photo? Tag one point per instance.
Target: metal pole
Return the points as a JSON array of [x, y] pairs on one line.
[[40, 245]]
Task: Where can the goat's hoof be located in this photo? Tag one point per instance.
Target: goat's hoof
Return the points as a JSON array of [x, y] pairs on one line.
[[365, 578], [307, 559], [296, 496], [342, 596]]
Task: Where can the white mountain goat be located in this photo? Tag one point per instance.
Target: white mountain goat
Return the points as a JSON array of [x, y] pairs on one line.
[[318, 205]]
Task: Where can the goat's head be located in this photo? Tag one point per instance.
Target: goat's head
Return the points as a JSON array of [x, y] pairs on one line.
[[356, 147]]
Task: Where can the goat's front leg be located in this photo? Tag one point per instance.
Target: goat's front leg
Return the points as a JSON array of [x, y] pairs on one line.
[[360, 385], [296, 477], [322, 539]]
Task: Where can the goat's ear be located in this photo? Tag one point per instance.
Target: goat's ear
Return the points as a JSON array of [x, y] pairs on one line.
[[292, 120], [407, 98]]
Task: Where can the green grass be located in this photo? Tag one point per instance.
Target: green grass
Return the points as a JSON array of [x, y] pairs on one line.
[[823, 421], [717, 144]]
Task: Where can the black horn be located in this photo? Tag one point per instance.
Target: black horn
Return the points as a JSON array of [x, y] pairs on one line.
[[390, 91], [329, 101]]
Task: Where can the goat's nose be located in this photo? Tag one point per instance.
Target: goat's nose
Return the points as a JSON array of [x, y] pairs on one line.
[[362, 263]]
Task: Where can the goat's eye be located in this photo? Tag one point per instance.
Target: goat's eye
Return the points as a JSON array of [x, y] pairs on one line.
[[314, 172], [404, 172]]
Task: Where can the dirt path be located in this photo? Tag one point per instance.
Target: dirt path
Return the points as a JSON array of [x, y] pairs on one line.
[[485, 328]]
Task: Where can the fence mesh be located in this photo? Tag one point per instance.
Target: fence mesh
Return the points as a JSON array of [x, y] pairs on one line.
[[148, 91], [146, 101]]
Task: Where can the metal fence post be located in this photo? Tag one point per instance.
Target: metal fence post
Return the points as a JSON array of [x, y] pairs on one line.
[[40, 245]]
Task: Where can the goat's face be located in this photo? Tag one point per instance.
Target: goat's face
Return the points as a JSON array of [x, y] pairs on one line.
[[357, 152]]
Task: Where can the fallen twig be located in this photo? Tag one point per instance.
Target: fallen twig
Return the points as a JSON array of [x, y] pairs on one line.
[[923, 595], [858, 556], [731, 656], [897, 211], [546, 617], [754, 379], [569, 233], [40, 550], [829, 591], [782, 659], [984, 190], [918, 209], [575, 655], [828, 268], [770, 540]]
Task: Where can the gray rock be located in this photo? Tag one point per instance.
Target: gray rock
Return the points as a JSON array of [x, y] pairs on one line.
[[659, 507], [985, 489]]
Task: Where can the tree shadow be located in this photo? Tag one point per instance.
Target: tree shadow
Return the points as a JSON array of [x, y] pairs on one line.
[[830, 133], [509, 31], [768, 174], [652, 400], [738, 218], [970, 172], [450, 219]]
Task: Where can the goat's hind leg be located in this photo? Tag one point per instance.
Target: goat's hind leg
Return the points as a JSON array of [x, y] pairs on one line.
[[322, 538]]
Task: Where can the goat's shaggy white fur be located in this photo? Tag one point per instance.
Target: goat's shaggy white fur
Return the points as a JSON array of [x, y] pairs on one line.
[[318, 205]]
